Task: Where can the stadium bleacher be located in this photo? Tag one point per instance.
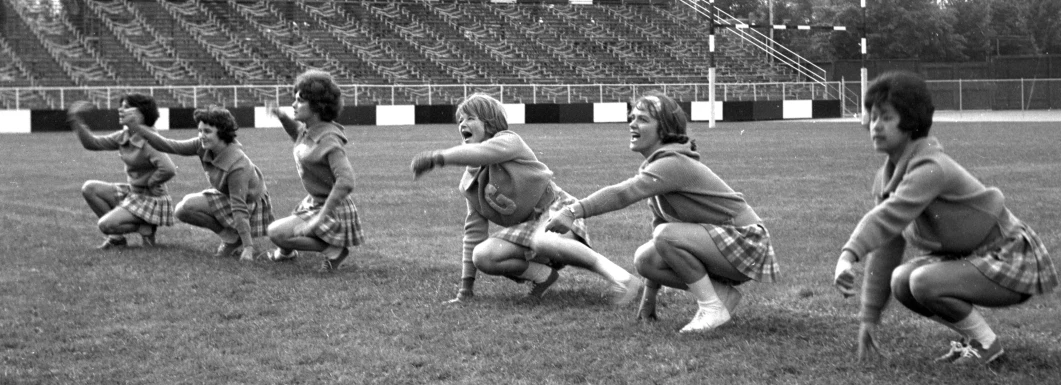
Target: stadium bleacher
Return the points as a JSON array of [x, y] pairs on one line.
[[157, 43]]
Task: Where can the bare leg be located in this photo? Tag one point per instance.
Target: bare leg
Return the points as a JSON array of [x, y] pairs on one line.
[[497, 257], [651, 265], [950, 289], [120, 221], [282, 233], [194, 210], [690, 253], [567, 250], [901, 288], [100, 196]]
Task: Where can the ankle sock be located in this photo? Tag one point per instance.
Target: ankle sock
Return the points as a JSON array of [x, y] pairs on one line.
[[975, 327]]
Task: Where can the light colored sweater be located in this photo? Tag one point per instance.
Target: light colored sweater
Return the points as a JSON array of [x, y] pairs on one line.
[[147, 170], [928, 200], [321, 159], [505, 146], [231, 172], [679, 188]]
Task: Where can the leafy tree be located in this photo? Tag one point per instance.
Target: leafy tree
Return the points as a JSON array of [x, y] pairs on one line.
[[972, 20], [1044, 25]]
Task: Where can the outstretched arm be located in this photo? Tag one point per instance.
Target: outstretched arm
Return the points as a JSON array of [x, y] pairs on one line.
[[84, 135], [498, 149], [186, 147], [290, 125]]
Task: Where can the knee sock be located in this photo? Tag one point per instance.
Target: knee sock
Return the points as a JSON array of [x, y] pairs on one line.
[[705, 293], [535, 272], [975, 327]]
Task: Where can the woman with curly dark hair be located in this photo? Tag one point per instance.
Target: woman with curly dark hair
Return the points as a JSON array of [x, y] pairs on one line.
[[237, 207], [974, 251], [326, 220], [142, 203]]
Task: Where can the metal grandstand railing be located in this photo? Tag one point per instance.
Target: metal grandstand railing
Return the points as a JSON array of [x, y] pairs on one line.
[[58, 98], [774, 50]]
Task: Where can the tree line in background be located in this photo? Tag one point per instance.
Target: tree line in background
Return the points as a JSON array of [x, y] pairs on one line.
[[928, 30]]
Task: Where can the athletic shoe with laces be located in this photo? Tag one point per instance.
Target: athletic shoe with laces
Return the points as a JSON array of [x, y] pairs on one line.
[[113, 243], [975, 354], [226, 250], [278, 255], [330, 265], [956, 349], [621, 295], [707, 318], [538, 289]]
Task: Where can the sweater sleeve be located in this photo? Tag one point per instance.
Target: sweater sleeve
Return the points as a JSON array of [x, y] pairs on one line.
[[290, 126], [475, 232], [501, 148], [164, 171], [876, 283], [238, 185], [187, 147], [645, 184], [342, 170], [109, 142], [922, 183]]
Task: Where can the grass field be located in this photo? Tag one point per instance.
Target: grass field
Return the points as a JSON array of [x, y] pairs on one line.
[[71, 314]]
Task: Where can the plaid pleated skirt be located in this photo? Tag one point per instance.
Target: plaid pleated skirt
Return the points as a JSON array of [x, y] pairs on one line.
[[522, 233], [157, 211], [1019, 262], [748, 249], [260, 212], [342, 228]]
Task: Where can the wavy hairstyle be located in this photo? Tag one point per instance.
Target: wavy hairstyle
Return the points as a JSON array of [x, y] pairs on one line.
[[908, 93], [145, 104], [221, 119], [322, 92], [490, 111], [672, 119]]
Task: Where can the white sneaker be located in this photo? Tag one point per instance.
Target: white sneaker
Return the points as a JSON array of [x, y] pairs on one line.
[[622, 295], [278, 256], [707, 318]]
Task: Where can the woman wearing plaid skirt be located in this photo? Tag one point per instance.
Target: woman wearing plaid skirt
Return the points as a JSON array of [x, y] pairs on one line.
[[975, 252], [326, 220], [142, 204], [237, 207], [521, 250], [706, 238]]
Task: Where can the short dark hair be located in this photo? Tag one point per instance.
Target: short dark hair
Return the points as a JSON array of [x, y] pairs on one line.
[[490, 111], [323, 94], [221, 119], [909, 95], [672, 119], [145, 104]]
